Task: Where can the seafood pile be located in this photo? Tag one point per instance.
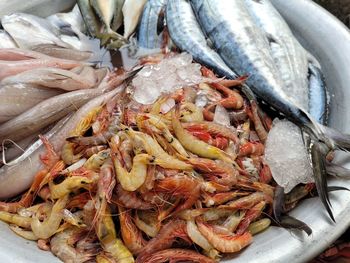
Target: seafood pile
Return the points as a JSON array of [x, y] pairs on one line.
[[176, 159]]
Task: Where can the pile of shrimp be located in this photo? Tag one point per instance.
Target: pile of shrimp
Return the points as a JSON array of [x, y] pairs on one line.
[[153, 183]]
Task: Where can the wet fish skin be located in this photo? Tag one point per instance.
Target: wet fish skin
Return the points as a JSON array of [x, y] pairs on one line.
[[64, 53], [288, 54], [17, 98], [132, 11], [244, 48], [317, 94], [40, 30], [6, 41], [148, 35], [185, 31]]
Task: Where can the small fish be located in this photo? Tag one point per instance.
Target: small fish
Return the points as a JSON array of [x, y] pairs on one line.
[[132, 11], [187, 35], [40, 31], [6, 41], [151, 24], [66, 22], [19, 97], [62, 52], [317, 94]]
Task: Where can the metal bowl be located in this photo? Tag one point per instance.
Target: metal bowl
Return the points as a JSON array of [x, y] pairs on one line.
[[329, 40]]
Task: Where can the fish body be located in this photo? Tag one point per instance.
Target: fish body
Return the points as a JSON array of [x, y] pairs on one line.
[[132, 11], [91, 21], [19, 97], [40, 31], [6, 41], [187, 35], [105, 10], [289, 56], [245, 49], [317, 94], [118, 15], [149, 35]]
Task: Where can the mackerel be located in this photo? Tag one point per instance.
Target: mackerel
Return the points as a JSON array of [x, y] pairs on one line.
[[152, 19], [188, 36]]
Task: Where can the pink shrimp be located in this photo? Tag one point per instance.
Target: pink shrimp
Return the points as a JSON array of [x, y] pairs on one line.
[[131, 235], [174, 255], [166, 237], [251, 215], [247, 202], [130, 199], [224, 242], [251, 148], [220, 198]]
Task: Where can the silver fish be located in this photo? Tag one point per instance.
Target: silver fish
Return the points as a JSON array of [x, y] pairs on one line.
[[17, 98], [149, 33], [91, 21], [40, 31], [55, 78], [20, 176], [70, 21], [187, 35], [132, 11], [42, 8], [245, 49], [64, 53], [6, 41], [289, 56], [317, 94]]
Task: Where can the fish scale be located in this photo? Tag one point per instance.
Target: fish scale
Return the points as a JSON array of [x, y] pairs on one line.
[[187, 35], [148, 36], [245, 49]]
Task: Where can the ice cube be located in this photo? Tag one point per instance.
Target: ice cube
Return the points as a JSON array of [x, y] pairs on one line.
[[221, 116], [286, 155]]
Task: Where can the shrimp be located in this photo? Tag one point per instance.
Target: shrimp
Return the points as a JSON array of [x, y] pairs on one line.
[[75, 219], [149, 180], [106, 233], [247, 202], [159, 124], [48, 227], [245, 183], [86, 122], [131, 235], [62, 246], [95, 161], [251, 215], [68, 155], [259, 127], [29, 235], [126, 151], [94, 149], [212, 128], [15, 219], [130, 200], [106, 181], [166, 237], [153, 148], [218, 171], [224, 242], [132, 180], [43, 244], [233, 99], [69, 184], [104, 258], [79, 201], [259, 226], [219, 142], [182, 186], [91, 140], [265, 174], [174, 255], [190, 112], [232, 221], [251, 148], [151, 227], [196, 146], [220, 198]]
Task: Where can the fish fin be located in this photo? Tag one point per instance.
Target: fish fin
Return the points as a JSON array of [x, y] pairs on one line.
[[293, 223], [337, 170], [317, 152], [278, 203], [337, 188]]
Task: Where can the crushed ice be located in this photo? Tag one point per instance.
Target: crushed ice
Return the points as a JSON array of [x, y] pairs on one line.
[[221, 116], [170, 74], [287, 156]]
